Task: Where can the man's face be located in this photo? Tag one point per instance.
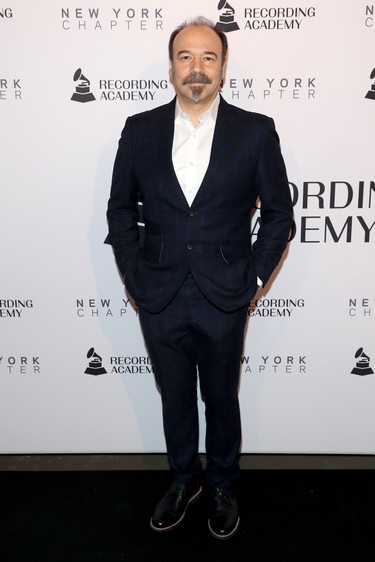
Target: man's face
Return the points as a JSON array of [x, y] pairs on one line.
[[197, 69]]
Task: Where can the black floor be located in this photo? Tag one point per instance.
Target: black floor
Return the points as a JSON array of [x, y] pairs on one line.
[[292, 516]]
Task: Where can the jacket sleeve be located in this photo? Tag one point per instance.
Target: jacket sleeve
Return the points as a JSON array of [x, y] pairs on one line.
[[276, 211], [122, 213]]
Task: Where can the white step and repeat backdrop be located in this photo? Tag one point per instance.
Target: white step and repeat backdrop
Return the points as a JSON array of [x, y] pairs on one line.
[[74, 372]]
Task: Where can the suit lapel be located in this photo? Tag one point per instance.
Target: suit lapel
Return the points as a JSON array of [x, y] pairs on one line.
[[163, 144], [220, 152]]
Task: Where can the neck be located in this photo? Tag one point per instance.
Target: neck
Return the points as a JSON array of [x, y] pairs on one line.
[[194, 110]]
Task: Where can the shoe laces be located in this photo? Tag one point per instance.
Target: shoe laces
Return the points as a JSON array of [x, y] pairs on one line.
[[222, 495], [181, 490]]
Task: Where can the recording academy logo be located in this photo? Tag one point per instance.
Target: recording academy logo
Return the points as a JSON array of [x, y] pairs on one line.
[[82, 93], [338, 212], [261, 18], [333, 212], [117, 89], [95, 366], [6, 13], [274, 308], [14, 308], [120, 365], [371, 93], [226, 19], [362, 366]]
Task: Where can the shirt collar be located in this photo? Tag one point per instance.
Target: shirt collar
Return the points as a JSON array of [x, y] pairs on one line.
[[211, 112]]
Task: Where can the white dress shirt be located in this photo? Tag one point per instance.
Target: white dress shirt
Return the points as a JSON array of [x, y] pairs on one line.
[[192, 148]]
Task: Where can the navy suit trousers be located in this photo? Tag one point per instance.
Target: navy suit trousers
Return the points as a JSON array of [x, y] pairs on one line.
[[191, 340]]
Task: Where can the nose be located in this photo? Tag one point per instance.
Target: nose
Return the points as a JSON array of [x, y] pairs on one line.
[[197, 66]]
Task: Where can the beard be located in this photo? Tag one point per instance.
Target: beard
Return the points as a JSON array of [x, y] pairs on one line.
[[196, 89], [196, 92]]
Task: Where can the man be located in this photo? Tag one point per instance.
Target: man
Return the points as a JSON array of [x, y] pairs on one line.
[[198, 165]]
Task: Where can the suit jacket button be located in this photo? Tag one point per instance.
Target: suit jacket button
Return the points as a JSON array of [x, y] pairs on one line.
[[191, 213], [190, 246]]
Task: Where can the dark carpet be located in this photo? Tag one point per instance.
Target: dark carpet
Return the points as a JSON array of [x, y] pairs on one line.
[[292, 516]]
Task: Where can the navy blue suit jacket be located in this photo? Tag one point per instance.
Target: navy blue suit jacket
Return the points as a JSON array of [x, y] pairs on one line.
[[212, 237]]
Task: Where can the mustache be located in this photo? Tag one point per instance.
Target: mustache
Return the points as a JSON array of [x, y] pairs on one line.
[[197, 79]]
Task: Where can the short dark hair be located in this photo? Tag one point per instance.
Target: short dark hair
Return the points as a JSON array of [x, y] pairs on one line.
[[200, 20]]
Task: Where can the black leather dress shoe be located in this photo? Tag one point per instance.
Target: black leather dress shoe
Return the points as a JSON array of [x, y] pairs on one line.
[[223, 519], [171, 509]]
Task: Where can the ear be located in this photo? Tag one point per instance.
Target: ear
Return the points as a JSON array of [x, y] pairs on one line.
[[171, 72], [224, 71]]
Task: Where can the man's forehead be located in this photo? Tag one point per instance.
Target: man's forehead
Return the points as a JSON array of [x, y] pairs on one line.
[[197, 38]]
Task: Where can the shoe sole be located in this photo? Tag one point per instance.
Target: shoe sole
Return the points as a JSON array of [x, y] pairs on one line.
[[193, 499], [223, 537]]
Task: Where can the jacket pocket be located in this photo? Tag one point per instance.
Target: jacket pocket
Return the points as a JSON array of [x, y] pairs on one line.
[[153, 247], [235, 250]]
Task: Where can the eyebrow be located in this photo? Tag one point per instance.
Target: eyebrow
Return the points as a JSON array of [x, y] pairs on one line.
[[190, 52]]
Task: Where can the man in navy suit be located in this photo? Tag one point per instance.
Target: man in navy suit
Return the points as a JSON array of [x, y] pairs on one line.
[[198, 166]]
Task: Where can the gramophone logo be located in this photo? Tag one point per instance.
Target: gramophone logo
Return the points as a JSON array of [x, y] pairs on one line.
[[95, 365], [362, 367], [82, 93], [226, 20], [371, 93]]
